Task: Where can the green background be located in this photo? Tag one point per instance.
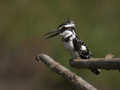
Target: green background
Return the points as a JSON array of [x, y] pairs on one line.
[[22, 25]]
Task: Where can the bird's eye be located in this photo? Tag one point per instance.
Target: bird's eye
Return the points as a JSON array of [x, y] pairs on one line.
[[62, 30], [65, 28], [68, 28], [71, 28]]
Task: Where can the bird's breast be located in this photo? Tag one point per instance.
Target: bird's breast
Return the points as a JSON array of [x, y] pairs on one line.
[[68, 45], [70, 48]]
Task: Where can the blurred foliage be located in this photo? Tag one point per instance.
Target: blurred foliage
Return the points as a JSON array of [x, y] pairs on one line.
[[22, 24]]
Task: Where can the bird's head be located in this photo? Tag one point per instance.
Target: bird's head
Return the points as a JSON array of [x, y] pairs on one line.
[[64, 30]]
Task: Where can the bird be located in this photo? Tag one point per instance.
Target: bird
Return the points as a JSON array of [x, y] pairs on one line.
[[71, 41]]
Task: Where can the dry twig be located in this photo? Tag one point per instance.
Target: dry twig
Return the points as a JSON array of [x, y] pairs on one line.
[[64, 72]]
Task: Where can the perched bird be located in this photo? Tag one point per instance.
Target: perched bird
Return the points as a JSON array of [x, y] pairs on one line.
[[71, 41]]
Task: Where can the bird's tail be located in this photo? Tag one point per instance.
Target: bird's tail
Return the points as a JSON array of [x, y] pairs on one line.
[[95, 71]]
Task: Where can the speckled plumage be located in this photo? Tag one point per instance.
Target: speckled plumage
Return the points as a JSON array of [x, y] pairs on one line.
[[71, 41]]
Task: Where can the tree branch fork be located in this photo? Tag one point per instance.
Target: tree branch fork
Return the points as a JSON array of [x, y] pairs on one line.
[[100, 63]]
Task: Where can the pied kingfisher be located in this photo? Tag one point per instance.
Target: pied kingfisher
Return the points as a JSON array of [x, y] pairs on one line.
[[71, 41]]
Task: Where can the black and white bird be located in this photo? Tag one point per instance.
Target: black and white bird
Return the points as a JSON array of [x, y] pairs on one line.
[[71, 41]]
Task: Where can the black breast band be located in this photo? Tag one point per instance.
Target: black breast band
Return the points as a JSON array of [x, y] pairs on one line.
[[67, 38]]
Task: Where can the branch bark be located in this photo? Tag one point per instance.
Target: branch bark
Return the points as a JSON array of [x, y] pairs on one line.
[[64, 72], [100, 63]]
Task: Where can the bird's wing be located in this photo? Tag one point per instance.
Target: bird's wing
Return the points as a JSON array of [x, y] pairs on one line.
[[81, 48], [78, 43]]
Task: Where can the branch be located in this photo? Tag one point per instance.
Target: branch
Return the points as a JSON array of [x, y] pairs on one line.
[[64, 72], [101, 63]]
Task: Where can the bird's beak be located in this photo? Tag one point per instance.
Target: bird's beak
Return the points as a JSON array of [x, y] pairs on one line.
[[52, 34]]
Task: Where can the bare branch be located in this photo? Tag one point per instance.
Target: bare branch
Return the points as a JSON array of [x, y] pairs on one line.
[[100, 63], [64, 72]]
